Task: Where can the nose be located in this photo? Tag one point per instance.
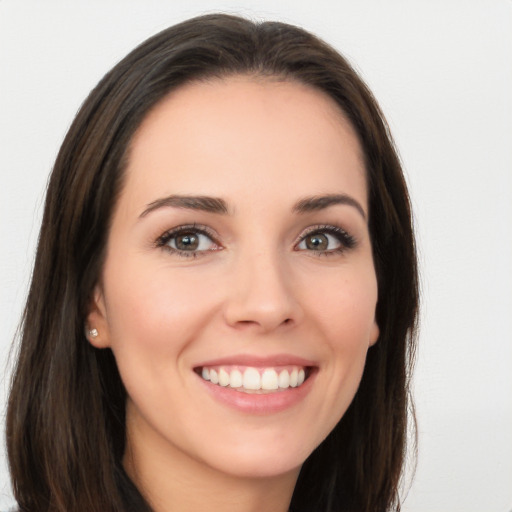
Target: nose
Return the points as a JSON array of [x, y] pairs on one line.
[[261, 295]]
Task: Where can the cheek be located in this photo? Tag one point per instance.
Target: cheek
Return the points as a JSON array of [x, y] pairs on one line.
[[345, 308], [154, 317], [344, 313], [155, 311]]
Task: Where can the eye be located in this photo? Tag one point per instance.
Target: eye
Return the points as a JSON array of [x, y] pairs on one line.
[[326, 240], [188, 241], [319, 242]]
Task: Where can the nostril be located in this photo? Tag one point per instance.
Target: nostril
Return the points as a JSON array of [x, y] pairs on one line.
[[243, 324]]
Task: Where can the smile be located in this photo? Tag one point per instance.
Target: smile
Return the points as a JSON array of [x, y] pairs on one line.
[[249, 379]]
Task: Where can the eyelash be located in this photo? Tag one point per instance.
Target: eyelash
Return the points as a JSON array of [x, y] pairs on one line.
[[346, 240], [163, 240]]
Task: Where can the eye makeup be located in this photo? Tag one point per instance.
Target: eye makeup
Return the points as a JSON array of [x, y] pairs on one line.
[[316, 239], [190, 240], [193, 240]]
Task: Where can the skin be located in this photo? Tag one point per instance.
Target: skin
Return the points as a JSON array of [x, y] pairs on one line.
[[261, 145]]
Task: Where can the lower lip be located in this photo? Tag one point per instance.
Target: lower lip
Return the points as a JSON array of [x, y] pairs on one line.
[[260, 403]]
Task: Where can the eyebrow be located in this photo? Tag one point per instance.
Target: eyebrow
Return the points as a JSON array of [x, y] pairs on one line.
[[202, 203], [315, 203], [220, 206]]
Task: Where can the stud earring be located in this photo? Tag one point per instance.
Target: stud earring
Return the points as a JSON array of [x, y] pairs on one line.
[[93, 333]]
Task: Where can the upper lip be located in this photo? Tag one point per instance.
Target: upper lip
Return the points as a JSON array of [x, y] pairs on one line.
[[259, 361]]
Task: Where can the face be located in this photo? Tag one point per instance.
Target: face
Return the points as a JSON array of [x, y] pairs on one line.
[[238, 293]]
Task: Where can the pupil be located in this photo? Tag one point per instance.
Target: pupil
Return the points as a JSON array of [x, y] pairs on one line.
[[317, 242], [187, 242]]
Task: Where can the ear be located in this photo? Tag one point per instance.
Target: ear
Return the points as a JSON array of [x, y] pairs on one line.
[[96, 327], [374, 334]]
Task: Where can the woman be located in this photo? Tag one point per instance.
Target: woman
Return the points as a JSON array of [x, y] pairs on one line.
[[224, 298]]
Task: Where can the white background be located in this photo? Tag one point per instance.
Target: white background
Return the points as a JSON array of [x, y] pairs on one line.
[[442, 71]]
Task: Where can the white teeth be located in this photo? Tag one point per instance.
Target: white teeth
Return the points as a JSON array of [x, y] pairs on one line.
[[223, 377], [269, 380], [284, 379], [254, 379], [236, 379]]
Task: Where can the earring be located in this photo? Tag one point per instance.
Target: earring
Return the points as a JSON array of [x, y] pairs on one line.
[[93, 333]]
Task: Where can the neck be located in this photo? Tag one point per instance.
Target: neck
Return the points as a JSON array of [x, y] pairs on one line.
[[171, 480]]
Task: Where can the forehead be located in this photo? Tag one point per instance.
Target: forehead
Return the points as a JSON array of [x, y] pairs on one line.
[[247, 133]]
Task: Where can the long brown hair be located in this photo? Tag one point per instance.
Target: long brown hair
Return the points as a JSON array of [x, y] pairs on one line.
[[66, 415]]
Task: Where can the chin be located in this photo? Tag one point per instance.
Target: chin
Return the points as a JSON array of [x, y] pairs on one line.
[[255, 460]]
